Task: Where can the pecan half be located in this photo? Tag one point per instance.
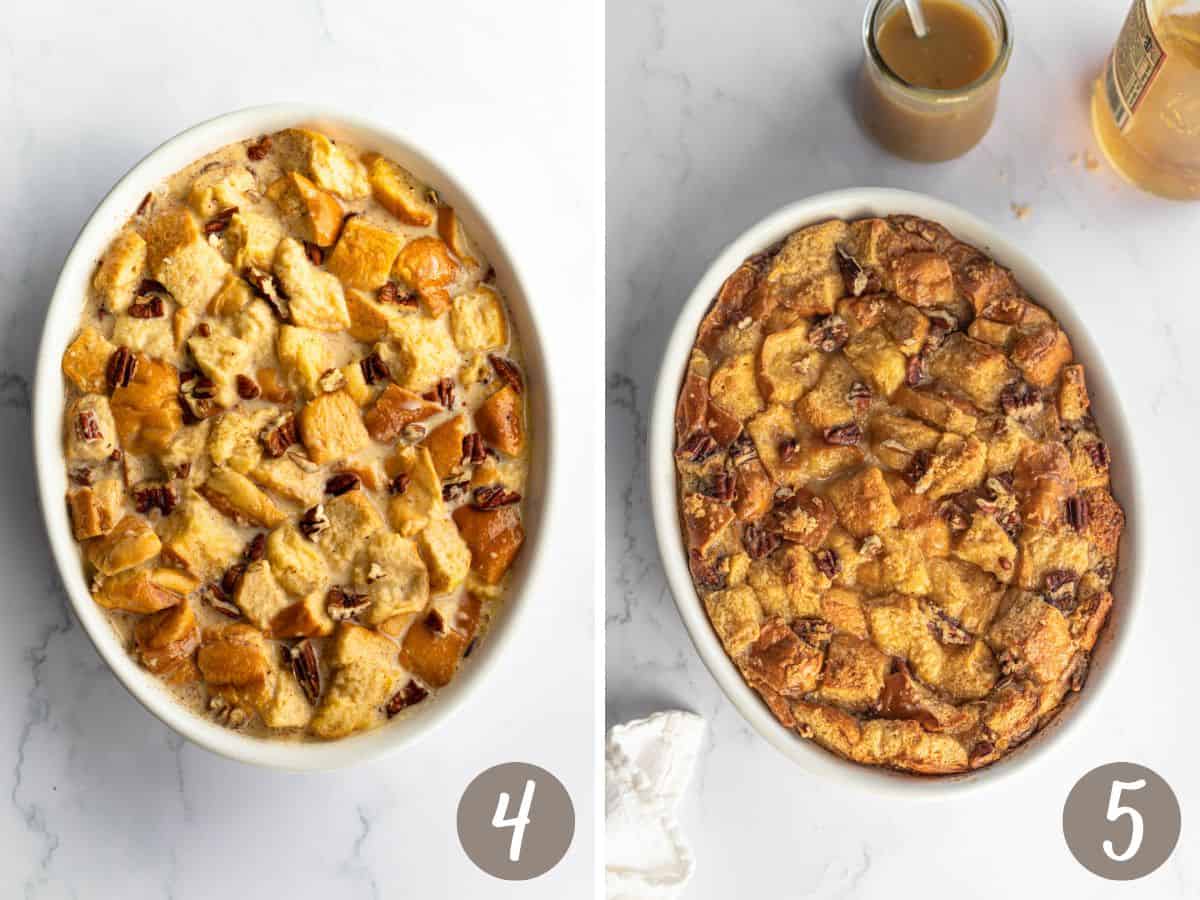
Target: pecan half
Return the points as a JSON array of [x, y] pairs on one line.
[[856, 278], [789, 451], [305, 668], [409, 695], [1077, 513], [1059, 590], [829, 333], [493, 497], [827, 563], [232, 577], [155, 496], [759, 542], [121, 367], [266, 288], [917, 371], [443, 393], [723, 486], [1098, 454], [220, 221], [197, 393], [148, 287], [473, 449], [215, 596], [454, 490], [314, 253], [374, 369], [314, 521], [697, 448], [859, 396], [259, 149], [949, 630], [256, 549], [341, 483], [279, 435], [342, 604], [508, 372], [150, 308], [815, 631], [87, 426], [710, 576], [742, 450], [844, 435], [918, 466], [247, 388], [399, 484]]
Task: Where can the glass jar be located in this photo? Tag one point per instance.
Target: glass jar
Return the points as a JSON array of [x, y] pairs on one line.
[[1146, 102], [929, 124]]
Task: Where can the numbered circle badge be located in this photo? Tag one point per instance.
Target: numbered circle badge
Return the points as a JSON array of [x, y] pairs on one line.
[[1121, 821], [516, 821]]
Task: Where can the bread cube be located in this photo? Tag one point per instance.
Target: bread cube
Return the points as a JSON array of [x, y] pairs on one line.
[[372, 320], [234, 296], [352, 520], [501, 421], [287, 478], [922, 279], [396, 408], [998, 334], [804, 274], [477, 320], [788, 583], [222, 358], [900, 567], [307, 617], [853, 675], [1090, 460], [754, 492], [450, 230], [233, 441], [957, 464], [397, 191], [424, 353], [235, 656], [166, 641], [828, 404], [254, 238], [364, 255], [147, 410], [937, 410], [296, 562], [1042, 480], [1106, 521], [446, 555], [319, 158], [259, 596], [257, 326], [980, 371], [183, 260], [735, 616], [144, 590], [788, 365], [843, 610], [304, 356], [366, 671], [433, 646], [86, 360], [803, 518], [91, 428], [197, 538], [184, 459], [864, 503], [411, 509], [235, 495], [965, 593], [1041, 353], [494, 536], [220, 188], [781, 662], [1044, 550], [734, 387], [986, 544], [1035, 632], [444, 444], [120, 271], [310, 213], [389, 570], [315, 297], [877, 360], [95, 509], [1007, 439], [332, 428], [895, 439], [426, 266], [129, 543], [152, 337], [285, 705]]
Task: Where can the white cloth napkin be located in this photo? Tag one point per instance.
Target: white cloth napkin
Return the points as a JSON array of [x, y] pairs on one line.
[[648, 764]]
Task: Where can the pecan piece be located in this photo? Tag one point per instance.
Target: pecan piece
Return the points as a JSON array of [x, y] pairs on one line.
[[266, 288], [454, 490], [859, 396], [314, 253], [856, 278], [399, 484], [949, 630], [409, 695], [198, 394], [220, 221], [699, 447], [759, 542], [829, 333], [256, 549], [148, 287], [304, 666], [789, 451], [214, 595], [917, 371], [1098, 454], [279, 435], [1019, 397], [150, 308], [121, 368], [473, 449], [816, 632], [1059, 590], [259, 149], [843, 435], [493, 497], [374, 369], [723, 487], [710, 576], [87, 426], [144, 205], [247, 387], [443, 393], [343, 604], [507, 371], [313, 522], [341, 483], [918, 466], [155, 496], [827, 563], [1077, 513]]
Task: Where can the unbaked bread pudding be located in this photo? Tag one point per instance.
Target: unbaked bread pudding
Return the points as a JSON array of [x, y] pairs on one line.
[[295, 437], [895, 501]]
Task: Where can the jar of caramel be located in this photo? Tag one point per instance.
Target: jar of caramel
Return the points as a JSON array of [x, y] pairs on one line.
[[932, 98], [1146, 102]]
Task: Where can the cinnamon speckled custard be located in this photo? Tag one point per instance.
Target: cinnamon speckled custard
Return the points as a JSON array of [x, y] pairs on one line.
[[296, 438], [895, 500]]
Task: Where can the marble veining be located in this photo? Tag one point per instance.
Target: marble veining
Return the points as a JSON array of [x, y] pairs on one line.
[[717, 115]]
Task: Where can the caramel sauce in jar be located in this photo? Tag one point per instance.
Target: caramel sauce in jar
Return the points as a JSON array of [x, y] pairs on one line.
[[931, 99]]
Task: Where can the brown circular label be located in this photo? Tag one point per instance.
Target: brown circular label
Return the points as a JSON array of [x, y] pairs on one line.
[[515, 821], [1121, 821]]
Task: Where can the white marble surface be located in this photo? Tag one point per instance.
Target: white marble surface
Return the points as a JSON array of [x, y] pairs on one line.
[[101, 800], [719, 113]]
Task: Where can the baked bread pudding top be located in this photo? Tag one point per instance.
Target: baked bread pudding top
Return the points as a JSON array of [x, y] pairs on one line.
[[895, 501], [295, 436]]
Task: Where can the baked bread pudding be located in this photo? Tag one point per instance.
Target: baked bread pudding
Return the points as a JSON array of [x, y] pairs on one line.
[[295, 436], [895, 501]]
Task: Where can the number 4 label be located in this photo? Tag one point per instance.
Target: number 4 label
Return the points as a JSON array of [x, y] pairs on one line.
[[500, 819], [1116, 811]]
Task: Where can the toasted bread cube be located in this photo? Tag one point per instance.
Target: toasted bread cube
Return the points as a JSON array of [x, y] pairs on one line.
[[906, 326], [1041, 353], [120, 270], [257, 325], [397, 191], [734, 387], [356, 385], [788, 365], [477, 320], [450, 230], [234, 296], [95, 509], [493, 536], [410, 510], [364, 255], [843, 609], [940, 411], [259, 595], [853, 674], [754, 492], [774, 427], [788, 583], [184, 459], [422, 352], [366, 669], [395, 408], [389, 570], [352, 518], [444, 444], [304, 357], [1006, 441], [199, 538], [922, 279], [286, 705], [977, 369], [704, 519], [236, 655], [1044, 550], [289, 479], [433, 647], [958, 464], [370, 319], [1106, 521], [895, 439], [998, 334], [500, 419], [145, 590], [827, 404], [332, 428], [222, 358], [427, 267], [901, 567], [152, 337], [166, 641], [1043, 479], [864, 503], [319, 158], [1073, 401], [985, 544], [735, 616], [1036, 633], [91, 428], [235, 495], [253, 238], [446, 555], [218, 189], [296, 562], [129, 543], [310, 213], [965, 593], [307, 617], [804, 274], [315, 297], [86, 360], [180, 257], [233, 441], [878, 360]]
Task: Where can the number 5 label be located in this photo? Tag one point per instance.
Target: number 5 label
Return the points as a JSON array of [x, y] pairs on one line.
[[1121, 821]]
